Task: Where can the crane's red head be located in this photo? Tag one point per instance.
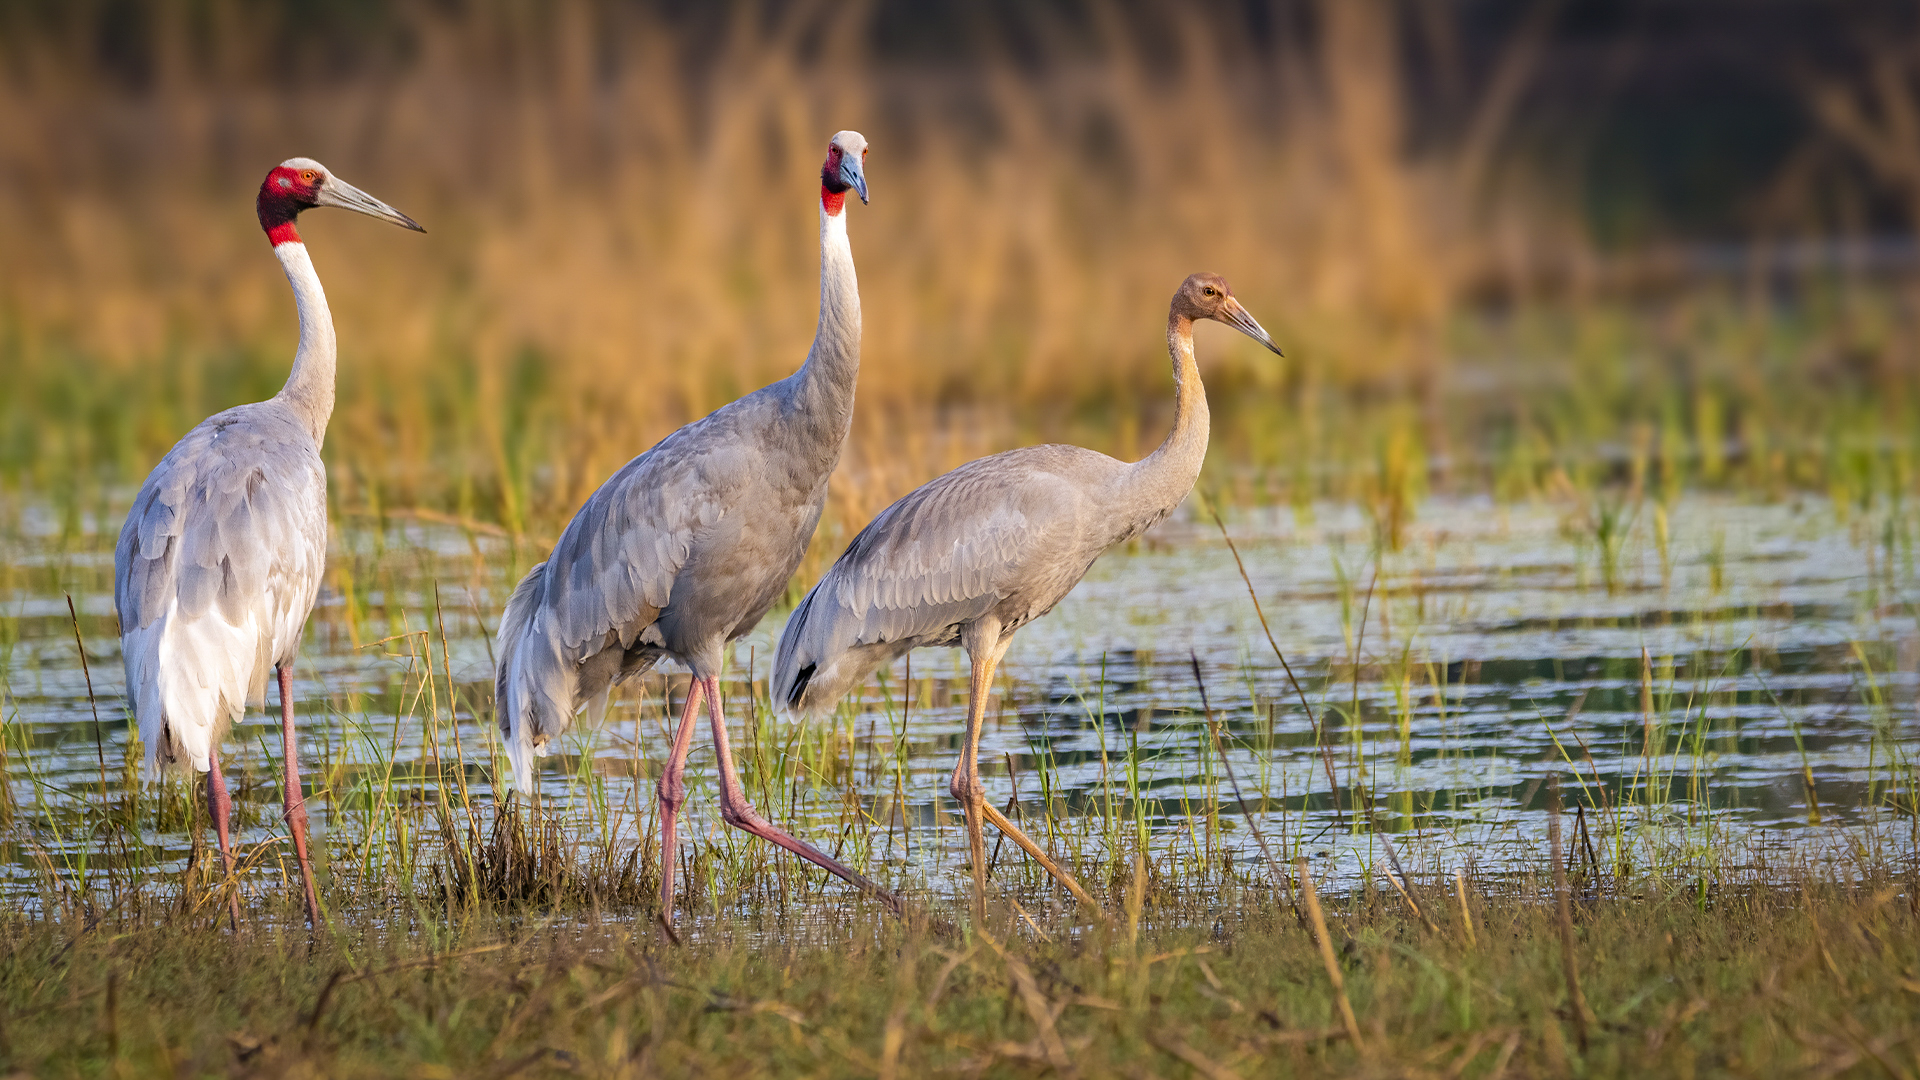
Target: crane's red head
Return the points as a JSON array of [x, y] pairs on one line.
[[845, 170], [299, 183]]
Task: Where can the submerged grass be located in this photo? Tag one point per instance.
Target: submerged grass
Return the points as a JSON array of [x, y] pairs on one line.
[[1808, 977]]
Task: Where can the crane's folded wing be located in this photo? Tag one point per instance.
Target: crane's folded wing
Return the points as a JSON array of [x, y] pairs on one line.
[[952, 549], [232, 523], [614, 567]]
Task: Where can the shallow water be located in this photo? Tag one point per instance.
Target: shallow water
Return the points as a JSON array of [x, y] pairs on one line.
[[1772, 642]]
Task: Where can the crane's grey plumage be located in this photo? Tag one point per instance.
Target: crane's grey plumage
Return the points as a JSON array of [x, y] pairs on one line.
[[970, 557], [689, 545], [216, 569], [1008, 535], [220, 559]]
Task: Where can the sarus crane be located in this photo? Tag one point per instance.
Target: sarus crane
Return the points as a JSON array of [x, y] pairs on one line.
[[972, 556], [687, 547], [220, 558]]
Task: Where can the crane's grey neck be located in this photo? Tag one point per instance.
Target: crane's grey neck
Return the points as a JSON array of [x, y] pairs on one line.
[[309, 388], [1161, 479], [823, 387]]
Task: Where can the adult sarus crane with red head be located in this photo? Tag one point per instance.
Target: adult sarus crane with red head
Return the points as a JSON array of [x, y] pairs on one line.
[[687, 547], [970, 557], [220, 559]]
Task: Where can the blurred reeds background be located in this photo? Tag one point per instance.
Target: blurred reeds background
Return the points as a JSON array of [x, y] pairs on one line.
[[619, 198]]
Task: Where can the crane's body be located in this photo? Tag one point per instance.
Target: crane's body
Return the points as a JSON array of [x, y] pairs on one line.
[[217, 566], [680, 552], [687, 547], [970, 557], [1005, 537], [220, 559]]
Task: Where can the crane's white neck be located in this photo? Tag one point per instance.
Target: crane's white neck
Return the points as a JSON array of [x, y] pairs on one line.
[[309, 388], [1163, 478], [824, 386]]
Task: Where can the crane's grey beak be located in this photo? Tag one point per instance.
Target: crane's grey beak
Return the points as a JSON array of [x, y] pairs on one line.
[[854, 175], [1236, 316], [337, 192]]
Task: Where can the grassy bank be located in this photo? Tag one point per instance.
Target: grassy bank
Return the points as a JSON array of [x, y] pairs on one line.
[[1813, 978]]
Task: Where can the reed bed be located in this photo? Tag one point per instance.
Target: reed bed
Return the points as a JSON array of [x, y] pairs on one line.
[[622, 239]]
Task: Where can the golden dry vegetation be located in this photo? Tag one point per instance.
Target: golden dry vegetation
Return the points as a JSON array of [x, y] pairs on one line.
[[621, 238]]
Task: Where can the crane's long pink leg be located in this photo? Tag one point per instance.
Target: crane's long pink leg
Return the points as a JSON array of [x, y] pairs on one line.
[[965, 784], [296, 803], [985, 650], [218, 807], [673, 795], [735, 810]]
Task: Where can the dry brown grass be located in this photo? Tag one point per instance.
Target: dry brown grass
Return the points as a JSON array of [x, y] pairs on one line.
[[1810, 979], [621, 238]]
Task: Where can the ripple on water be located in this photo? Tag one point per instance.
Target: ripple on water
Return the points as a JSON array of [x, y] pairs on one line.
[[1493, 656]]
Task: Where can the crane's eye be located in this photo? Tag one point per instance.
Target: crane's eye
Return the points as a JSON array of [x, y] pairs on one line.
[[1210, 291], [309, 176]]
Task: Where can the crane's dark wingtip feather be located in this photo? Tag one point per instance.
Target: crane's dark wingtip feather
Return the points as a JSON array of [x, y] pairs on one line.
[[799, 686]]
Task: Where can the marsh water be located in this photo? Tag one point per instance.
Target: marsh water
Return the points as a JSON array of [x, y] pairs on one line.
[[1727, 683]]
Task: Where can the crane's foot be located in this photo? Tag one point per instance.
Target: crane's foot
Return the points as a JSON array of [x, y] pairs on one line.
[[740, 814], [1073, 885]]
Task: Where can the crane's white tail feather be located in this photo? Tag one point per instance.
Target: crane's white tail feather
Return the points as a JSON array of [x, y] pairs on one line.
[[533, 684], [819, 660], [190, 680]]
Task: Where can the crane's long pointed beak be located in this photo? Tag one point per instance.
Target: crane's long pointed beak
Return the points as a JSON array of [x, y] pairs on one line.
[[1237, 317], [337, 192], [854, 175]]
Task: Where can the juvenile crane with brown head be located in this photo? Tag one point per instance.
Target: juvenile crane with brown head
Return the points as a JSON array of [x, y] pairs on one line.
[[970, 557]]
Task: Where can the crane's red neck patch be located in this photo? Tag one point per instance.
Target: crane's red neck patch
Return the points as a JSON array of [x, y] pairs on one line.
[[283, 194], [833, 190]]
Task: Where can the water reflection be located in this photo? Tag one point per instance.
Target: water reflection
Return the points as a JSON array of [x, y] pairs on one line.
[[1746, 687]]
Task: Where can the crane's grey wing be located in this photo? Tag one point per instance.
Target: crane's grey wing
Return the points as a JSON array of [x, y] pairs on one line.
[[613, 570], [215, 571], [571, 623], [1002, 533]]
